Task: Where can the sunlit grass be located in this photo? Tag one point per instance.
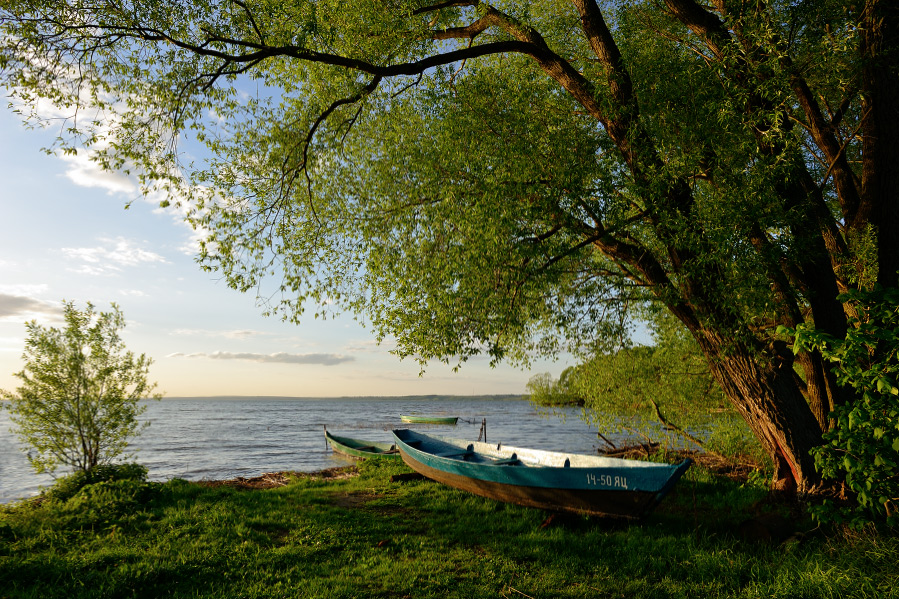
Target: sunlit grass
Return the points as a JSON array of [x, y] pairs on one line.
[[366, 536]]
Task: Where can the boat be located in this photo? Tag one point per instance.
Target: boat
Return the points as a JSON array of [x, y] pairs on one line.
[[560, 482], [412, 419], [356, 448]]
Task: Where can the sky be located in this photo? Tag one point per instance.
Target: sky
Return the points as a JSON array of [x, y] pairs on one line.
[[65, 235]]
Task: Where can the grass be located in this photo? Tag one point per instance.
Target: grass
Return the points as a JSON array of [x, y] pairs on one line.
[[365, 536]]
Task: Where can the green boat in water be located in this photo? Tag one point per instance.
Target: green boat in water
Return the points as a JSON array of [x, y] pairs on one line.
[[567, 482], [356, 448], [413, 419]]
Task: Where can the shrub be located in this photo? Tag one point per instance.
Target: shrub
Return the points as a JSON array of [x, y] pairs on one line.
[[862, 448], [68, 486]]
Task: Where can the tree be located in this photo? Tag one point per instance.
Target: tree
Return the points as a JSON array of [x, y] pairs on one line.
[[668, 383], [504, 178], [79, 400]]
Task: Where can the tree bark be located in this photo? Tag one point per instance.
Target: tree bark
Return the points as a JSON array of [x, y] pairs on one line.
[[762, 388], [880, 163]]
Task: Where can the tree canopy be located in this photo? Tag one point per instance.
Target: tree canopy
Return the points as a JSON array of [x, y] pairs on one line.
[[507, 177]]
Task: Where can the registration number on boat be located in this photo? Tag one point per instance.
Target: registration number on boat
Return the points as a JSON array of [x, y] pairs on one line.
[[607, 480]]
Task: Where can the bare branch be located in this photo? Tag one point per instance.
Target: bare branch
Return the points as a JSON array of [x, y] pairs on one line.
[[450, 3], [250, 17]]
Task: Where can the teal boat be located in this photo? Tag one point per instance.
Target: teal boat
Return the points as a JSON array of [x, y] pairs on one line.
[[567, 482], [356, 448], [428, 419]]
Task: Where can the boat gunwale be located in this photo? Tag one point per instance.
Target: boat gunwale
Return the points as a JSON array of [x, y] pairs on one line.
[[478, 447], [421, 419]]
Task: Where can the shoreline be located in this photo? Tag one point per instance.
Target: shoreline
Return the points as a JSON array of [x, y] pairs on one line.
[[271, 480]]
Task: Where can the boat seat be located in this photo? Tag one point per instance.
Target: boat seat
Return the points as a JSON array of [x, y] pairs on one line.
[[454, 454], [507, 462]]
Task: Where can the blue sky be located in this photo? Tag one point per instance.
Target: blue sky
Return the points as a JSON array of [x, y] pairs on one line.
[[65, 234]]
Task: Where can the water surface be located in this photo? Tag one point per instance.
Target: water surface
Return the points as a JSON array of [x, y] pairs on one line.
[[220, 438]]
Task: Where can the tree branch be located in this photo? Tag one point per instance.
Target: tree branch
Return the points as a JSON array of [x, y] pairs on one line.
[[449, 4], [703, 23]]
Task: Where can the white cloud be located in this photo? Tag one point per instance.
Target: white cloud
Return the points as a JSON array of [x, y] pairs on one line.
[[11, 344], [18, 308], [81, 170], [277, 358], [241, 334], [87, 173], [91, 271], [24, 289], [111, 257], [236, 334], [369, 346], [387, 344]]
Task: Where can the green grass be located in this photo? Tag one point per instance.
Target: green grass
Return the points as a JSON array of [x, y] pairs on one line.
[[365, 536]]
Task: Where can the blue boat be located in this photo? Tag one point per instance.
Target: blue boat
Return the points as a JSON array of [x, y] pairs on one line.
[[567, 482]]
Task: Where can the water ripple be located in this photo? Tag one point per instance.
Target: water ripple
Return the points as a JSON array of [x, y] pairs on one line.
[[216, 438]]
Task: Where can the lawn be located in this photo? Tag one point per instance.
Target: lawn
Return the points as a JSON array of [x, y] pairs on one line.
[[357, 533]]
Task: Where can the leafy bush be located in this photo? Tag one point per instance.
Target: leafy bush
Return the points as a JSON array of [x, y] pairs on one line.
[[68, 486], [109, 502], [637, 388], [108, 496], [862, 448]]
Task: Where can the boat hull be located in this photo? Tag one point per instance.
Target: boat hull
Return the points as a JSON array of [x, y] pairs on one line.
[[614, 504], [359, 449], [552, 481]]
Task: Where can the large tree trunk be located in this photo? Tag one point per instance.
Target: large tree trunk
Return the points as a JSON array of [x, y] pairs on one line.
[[880, 163], [764, 391], [821, 388]]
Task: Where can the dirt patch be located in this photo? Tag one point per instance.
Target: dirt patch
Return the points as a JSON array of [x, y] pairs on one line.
[[270, 480], [353, 500], [737, 469]]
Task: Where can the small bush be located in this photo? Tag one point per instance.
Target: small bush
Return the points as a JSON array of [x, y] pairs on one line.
[[862, 449], [109, 502], [68, 486]]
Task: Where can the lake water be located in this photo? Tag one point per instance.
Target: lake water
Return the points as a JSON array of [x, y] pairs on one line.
[[221, 438]]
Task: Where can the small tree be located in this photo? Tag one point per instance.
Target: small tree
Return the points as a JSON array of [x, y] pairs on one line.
[[78, 403], [668, 382]]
